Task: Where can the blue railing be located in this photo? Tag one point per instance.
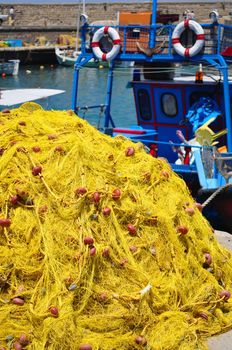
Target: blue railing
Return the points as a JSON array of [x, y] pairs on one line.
[[218, 40]]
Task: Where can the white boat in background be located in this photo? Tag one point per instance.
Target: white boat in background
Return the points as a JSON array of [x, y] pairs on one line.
[[68, 57], [14, 97]]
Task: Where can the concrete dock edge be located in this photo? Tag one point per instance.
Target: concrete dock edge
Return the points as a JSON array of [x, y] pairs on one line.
[[222, 341]]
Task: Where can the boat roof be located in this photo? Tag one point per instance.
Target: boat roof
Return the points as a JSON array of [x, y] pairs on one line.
[[209, 78], [16, 96], [190, 80]]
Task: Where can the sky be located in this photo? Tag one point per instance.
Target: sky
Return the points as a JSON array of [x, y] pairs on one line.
[[93, 1]]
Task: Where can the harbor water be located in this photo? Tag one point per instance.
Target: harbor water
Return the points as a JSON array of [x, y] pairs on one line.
[[92, 90]]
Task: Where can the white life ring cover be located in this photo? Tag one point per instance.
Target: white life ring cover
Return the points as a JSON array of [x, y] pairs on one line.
[[196, 48], [113, 34]]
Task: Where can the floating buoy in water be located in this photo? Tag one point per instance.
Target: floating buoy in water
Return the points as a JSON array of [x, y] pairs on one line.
[[41, 67], [3, 75], [28, 71]]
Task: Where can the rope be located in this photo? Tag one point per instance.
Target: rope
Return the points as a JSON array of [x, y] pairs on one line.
[[219, 190]]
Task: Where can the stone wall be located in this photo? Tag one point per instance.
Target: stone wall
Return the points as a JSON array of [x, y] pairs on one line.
[[66, 15], [52, 20], [28, 37]]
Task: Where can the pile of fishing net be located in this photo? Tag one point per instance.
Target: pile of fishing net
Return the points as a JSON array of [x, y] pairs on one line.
[[101, 245]]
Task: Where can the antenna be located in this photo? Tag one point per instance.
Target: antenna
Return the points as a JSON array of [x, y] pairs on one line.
[[78, 27]]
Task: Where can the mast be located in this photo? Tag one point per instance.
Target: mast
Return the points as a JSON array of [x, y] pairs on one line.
[[154, 9], [78, 21], [153, 24], [78, 27]]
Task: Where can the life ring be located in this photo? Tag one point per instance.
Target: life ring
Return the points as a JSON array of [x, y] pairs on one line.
[[113, 34], [196, 48]]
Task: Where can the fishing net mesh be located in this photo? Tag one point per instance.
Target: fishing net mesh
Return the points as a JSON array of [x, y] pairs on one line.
[[102, 246]]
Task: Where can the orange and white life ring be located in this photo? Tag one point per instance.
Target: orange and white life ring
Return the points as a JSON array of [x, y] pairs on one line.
[[113, 34], [196, 48]]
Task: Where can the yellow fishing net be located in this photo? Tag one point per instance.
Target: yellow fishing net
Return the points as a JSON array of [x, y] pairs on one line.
[[102, 246]]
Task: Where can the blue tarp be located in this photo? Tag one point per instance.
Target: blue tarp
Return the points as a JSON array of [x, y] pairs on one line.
[[14, 42], [202, 111]]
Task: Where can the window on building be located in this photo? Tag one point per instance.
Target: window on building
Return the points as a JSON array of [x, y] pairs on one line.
[[169, 105], [144, 104]]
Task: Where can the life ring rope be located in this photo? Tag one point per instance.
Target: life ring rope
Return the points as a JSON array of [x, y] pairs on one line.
[[200, 38], [113, 34]]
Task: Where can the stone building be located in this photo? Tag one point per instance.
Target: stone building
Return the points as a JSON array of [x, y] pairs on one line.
[[66, 15]]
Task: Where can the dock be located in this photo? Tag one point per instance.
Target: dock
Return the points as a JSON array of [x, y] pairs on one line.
[[31, 54]]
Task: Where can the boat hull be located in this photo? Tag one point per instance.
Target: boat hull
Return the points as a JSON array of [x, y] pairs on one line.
[[219, 209], [65, 61], [69, 61]]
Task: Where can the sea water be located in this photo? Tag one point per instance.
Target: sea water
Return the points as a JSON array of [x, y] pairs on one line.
[[92, 90]]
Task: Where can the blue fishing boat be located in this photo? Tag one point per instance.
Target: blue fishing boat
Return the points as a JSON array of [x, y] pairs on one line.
[[185, 119]]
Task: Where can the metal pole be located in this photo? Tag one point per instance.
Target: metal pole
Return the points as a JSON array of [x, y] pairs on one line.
[[154, 9], [108, 97], [75, 89], [78, 27], [153, 25], [224, 69]]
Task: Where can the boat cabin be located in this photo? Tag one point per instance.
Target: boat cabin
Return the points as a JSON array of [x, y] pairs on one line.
[[165, 107]]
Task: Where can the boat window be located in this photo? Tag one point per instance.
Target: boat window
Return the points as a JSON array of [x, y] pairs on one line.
[[169, 105], [196, 95], [144, 104]]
